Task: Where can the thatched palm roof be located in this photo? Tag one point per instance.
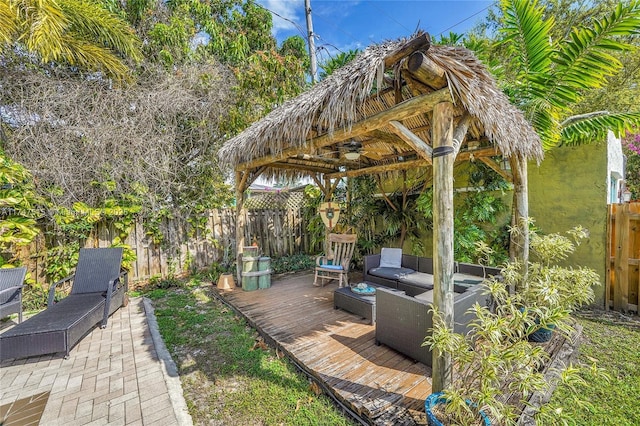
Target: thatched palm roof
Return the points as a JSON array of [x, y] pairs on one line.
[[364, 100]]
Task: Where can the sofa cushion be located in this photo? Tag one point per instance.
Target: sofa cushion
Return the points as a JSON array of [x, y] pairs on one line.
[[391, 273], [427, 296], [418, 279], [391, 258]]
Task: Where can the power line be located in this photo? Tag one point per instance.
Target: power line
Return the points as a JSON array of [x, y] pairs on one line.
[[387, 15], [466, 19], [295, 24], [340, 29]]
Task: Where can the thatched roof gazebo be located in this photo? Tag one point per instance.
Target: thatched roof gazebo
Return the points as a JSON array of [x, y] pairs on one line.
[[399, 105]]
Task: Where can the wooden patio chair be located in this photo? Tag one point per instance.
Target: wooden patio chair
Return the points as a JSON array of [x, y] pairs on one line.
[[98, 289], [335, 264], [11, 283]]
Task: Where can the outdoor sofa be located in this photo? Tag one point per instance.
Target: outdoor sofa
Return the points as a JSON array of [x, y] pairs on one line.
[[99, 288], [403, 321], [414, 274], [404, 297]]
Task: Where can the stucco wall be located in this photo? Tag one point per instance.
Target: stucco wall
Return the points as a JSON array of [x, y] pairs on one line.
[[568, 189]]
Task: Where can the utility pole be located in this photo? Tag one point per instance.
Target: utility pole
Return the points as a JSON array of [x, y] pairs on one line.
[[312, 43]]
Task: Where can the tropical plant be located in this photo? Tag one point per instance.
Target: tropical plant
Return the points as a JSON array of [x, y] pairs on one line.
[[18, 208], [546, 72], [475, 217], [75, 32], [546, 75], [550, 290], [495, 365], [341, 59]]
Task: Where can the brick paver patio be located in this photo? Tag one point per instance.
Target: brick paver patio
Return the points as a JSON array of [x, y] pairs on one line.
[[113, 376]]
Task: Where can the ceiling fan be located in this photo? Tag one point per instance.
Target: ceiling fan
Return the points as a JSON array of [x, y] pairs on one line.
[[352, 150]]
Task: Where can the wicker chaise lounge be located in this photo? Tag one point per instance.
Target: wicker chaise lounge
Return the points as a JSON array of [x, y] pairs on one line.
[[98, 290], [11, 283]]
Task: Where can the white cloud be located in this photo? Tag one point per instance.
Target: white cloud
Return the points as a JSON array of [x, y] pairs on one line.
[[285, 11]]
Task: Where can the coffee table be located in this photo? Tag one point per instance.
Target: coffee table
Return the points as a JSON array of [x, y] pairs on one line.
[[359, 304]]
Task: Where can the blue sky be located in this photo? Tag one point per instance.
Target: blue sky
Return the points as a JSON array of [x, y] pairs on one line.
[[344, 24]]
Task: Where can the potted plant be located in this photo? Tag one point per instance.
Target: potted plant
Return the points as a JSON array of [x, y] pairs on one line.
[[495, 366], [548, 290]]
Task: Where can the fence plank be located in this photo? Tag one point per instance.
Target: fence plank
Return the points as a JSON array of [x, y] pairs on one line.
[[279, 232], [610, 250], [620, 298]]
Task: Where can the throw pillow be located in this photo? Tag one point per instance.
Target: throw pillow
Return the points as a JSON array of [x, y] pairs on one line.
[[391, 258]]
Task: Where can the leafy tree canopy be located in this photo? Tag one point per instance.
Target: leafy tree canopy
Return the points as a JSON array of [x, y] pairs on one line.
[[557, 60]]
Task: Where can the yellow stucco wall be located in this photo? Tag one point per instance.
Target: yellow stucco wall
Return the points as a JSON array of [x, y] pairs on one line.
[[568, 189]]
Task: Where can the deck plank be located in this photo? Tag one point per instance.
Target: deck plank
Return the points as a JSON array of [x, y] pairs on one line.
[[337, 348]]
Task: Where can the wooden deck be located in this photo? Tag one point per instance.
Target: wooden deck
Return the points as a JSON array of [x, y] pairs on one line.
[[378, 384]]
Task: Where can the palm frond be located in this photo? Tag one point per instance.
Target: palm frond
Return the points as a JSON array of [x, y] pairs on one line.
[[93, 57], [8, 24], [545, 121], [589, 128], [44, 25], [584, 61], [527, 35], [94, 23]]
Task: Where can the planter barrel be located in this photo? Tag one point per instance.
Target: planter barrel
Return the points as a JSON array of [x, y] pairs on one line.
[[264, 267], [250, 268], [438, 398]]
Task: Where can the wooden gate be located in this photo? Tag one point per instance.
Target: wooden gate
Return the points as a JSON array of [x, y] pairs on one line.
[[622, 278]]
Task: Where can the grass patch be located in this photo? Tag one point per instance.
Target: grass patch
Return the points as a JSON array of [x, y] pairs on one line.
[[615, 347], [229, 377]]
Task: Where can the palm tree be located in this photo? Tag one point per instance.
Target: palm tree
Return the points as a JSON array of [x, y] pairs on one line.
[[547, 77], [335, 62], [76, 32]]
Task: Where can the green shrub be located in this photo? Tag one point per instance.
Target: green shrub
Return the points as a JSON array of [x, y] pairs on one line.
[[296, 262]]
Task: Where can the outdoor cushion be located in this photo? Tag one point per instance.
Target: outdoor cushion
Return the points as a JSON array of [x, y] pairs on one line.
[[427, 296], [391, 273], [391, 258], [334, 267], [419, 279]]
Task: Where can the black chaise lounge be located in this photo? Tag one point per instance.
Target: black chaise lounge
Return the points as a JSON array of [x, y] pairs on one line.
[[98, 289], [11, 283]]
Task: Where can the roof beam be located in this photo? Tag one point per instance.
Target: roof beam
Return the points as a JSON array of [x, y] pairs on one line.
[[490, 151], [421, 147], [379, 169], [421, 42], [315, 169], [403, 165], [402, 111], [493, 165], [426, 71]]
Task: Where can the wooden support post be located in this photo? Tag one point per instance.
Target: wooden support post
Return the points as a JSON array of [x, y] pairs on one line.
[[241, 183], [443, 160], [519, 245]]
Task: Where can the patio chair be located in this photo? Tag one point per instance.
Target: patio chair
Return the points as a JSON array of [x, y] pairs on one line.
[[98, 290], [335, 264], [11, 280]]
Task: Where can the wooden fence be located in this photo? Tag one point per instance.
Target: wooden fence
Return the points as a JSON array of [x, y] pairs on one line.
[[622, 278], [278, 232]]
